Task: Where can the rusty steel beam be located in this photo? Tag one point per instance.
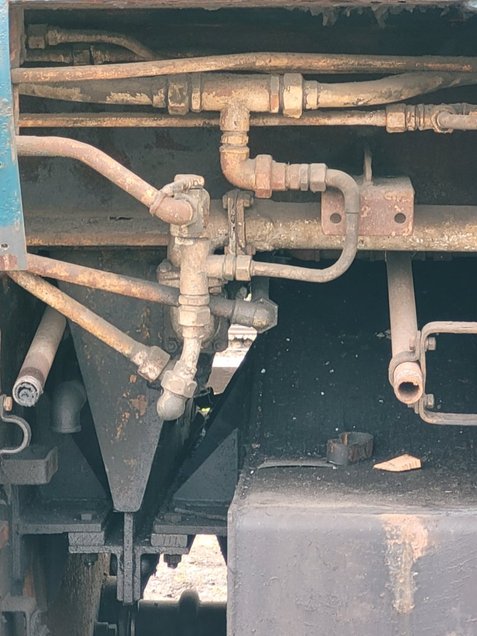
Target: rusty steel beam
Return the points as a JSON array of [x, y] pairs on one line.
[[270, 225], [266, 62], [150, 361]]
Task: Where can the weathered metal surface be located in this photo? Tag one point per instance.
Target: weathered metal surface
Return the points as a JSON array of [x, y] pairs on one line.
[[296, 529], [269, 225], [12, 232], [34, 466], [127, 425], [386, 208]]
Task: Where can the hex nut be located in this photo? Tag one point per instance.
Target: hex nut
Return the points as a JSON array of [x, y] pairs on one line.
[[318, 177], [293, 95], [190, 316], [396, 118], [242, 267], [263, 176]]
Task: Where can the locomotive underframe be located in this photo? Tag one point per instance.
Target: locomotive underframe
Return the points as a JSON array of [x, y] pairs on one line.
[[114, 462]]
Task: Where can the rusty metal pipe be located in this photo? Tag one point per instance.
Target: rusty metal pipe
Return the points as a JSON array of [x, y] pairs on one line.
[[407, 378], [150, 361], [56, 35], [375, 118], [99, 279], [170, 210], [36, 367], [250, 314], [290, 94], [267, 62]]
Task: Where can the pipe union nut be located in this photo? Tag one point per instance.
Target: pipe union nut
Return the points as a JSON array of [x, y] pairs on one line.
[[293, 95], [190, 316], [263, 176], [242, 267], [150, 362], [178, 385]]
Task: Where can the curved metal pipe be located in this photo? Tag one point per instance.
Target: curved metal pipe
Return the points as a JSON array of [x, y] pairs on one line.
[[348, 186], [170, 210], [67, 401]]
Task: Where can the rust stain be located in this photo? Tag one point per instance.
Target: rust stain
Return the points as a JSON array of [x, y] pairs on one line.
[[139, 404], [407, 540]]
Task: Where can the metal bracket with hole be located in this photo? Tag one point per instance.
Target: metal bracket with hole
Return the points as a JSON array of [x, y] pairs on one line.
[[22, 425]]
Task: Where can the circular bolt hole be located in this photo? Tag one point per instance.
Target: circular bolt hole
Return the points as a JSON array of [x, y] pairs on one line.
[[336, 218], [4, 246], [400, 218]]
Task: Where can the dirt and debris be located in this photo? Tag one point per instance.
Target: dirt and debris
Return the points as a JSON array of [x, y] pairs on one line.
[[203, 569]]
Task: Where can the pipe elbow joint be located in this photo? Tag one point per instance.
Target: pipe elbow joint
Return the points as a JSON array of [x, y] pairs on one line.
[[170, 406]]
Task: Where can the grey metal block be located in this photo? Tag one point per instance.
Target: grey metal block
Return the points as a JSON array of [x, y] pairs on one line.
[[313, 551], [35, 465]]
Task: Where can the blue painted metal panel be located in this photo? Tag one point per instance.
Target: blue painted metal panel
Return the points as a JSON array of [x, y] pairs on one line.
[[12, 231]]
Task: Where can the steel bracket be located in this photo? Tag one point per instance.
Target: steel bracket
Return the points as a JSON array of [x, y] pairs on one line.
[[422, 407]]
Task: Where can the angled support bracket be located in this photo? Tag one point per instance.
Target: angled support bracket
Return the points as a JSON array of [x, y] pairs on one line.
[[12, 230]]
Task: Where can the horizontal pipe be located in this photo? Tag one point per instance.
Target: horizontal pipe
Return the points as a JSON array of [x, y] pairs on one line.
[[261, 93], [149, 360], [170, 210], [267, 62], [375, 118], [407, 377], [36, 367], [270, 225]]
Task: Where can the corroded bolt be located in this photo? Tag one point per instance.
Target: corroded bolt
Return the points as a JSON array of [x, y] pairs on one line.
[[430, 401], [172, 560]]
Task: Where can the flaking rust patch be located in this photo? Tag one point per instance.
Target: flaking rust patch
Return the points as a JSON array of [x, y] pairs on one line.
[[407, 540]]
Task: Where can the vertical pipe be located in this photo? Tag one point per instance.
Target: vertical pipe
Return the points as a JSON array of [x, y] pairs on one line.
[[407, 380], [31, 380]]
